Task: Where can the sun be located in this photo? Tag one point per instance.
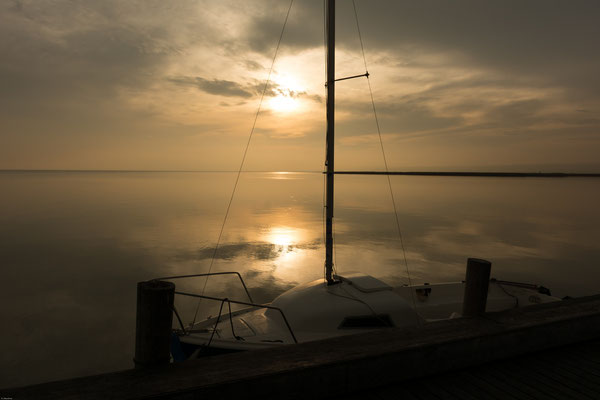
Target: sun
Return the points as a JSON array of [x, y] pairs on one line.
[[283, 103], [288, 90]]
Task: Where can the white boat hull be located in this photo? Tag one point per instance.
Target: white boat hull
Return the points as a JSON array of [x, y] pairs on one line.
[[360, 303]]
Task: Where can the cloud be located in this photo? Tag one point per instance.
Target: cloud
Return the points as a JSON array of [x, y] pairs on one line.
[[252, 65], [76, 73], [49, 63], [304, 28], [215, 86], [228, 88], [255, 250]]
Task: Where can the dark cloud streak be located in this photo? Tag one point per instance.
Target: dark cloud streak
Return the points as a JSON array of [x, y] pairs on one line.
[[215, 86]]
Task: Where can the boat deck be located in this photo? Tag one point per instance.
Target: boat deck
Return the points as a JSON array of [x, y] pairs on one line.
[[570, 372]]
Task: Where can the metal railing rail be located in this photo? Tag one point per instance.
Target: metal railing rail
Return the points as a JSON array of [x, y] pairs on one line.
[[209, 274], [224, 299]]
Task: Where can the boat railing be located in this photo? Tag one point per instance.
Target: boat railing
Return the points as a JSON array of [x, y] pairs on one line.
[[538, 288], [209, 274], [224, 300]]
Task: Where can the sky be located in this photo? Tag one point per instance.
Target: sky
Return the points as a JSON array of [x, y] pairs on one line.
[[155, 85]]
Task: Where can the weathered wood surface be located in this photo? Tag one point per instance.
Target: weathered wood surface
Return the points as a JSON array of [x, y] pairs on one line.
[[154, 319], [569, 372], [348, 365], [477, 283]]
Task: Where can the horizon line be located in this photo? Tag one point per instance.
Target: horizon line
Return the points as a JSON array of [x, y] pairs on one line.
[[139, 170], [408, 173]]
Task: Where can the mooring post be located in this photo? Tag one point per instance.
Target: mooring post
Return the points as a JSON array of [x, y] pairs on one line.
[[476, 287], [154, 320]]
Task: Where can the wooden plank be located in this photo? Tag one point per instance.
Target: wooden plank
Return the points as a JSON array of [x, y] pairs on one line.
[[556, 386], [577, 373], [560, 374], [394, 392], [451, 384], [530, 387], [486, 375], [366, 396], [418, 393], [581, 375], [552, 378], [593, 345], [573, 371], [428, 389], [479, 388], [580, 364], [589, 352], [573, 384]]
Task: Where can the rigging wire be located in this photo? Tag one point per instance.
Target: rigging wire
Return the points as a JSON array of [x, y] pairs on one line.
[[412, 295], [362, 47], [212, 260]]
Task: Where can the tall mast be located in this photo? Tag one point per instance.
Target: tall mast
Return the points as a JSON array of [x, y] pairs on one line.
[[330, 23]]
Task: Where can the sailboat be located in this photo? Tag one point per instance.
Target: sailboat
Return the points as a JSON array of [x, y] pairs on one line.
[[335, 305]]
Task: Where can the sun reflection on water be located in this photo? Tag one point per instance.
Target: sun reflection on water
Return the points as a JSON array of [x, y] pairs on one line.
[[283, 236]]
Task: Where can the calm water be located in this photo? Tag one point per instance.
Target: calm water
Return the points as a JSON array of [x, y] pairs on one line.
[[73, 246]]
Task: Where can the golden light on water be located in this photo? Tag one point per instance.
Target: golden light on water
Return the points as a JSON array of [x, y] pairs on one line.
[[283, 236]]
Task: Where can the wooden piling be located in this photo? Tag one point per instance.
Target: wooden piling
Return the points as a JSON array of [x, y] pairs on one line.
[[476, 287], [154, 320]]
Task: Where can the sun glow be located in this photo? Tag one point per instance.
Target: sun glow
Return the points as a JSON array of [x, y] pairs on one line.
[[283, 103], [287, 90]]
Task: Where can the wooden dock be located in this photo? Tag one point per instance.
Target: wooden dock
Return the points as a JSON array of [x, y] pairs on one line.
[[570, 372], [543, 351]]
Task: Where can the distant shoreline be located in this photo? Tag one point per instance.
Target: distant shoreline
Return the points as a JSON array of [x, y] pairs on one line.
[[481, 174]]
